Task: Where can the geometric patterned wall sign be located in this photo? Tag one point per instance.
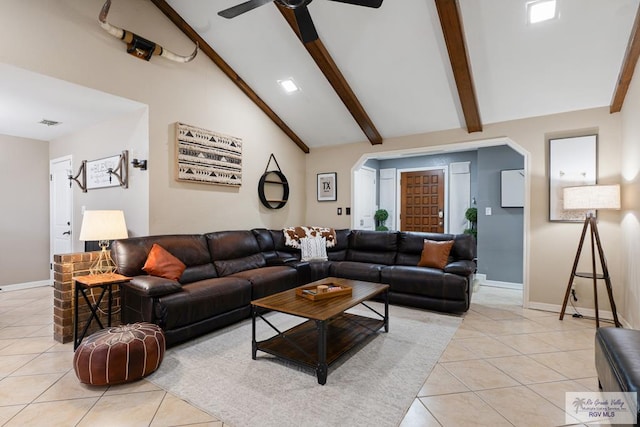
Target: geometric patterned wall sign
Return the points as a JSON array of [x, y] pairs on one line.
[[207, 157]]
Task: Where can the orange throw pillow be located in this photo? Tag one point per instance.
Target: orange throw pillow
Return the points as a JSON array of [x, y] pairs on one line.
[[161, 263], [435, 254]]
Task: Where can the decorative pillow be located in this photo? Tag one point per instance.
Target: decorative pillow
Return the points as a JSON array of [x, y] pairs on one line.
[[313, 249], [161, 263], [435, 254]]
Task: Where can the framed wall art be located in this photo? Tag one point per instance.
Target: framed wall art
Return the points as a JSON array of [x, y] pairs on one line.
[[572, 162], [327, 187], [207, 157], [512, 188], [107, 172]]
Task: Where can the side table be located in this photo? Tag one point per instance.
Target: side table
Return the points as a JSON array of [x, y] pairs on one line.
[[91, 281]]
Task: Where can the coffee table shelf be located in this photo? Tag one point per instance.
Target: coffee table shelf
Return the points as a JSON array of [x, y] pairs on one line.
[[300, 343]]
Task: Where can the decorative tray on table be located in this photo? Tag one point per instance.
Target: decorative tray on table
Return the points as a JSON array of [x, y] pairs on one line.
[[324, 291]]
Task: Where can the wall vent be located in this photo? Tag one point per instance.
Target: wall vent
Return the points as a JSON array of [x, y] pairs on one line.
[[49, 122]]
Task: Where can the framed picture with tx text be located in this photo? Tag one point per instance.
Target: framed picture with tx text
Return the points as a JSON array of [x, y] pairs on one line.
[[327, 187]]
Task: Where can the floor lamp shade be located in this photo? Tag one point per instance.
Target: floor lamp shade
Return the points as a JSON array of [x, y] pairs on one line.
[[103, 226], [591, 197]]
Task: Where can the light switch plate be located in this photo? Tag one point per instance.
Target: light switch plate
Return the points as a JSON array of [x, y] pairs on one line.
[[487, 211]]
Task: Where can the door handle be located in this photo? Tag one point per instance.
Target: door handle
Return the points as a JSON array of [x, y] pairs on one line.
[[67, 232]]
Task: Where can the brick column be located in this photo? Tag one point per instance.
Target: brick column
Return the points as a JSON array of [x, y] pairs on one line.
[[65, 267]]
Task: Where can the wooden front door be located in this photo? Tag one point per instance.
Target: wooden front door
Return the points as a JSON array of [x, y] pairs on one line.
[[422, 201]]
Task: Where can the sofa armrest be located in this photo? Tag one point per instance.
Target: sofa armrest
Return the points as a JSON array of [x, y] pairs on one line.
[[153, 286], [282, 261], [302, 267], [304, 271], [462, 267]]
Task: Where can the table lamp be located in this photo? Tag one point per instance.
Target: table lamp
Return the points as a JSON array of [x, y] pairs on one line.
[[590, 198], [103, 226]]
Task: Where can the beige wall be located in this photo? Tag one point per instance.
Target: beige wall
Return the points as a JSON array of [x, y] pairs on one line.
[[62, 39], [552, 245], [24, 218], [109, 138], [629, 301]]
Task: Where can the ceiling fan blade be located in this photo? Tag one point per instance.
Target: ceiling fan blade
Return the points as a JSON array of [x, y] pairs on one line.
[[241, 8], [367, 3], [305, 24]]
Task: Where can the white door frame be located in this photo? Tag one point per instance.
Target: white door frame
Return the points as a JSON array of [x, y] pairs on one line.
[[445, 170], [470, 145], [52, 207]]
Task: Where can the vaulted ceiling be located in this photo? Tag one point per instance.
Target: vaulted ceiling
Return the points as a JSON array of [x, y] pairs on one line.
[[417, 66]]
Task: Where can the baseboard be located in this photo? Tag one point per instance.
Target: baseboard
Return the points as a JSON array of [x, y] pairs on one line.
[[498, 284], [27, 285], [586, 312]]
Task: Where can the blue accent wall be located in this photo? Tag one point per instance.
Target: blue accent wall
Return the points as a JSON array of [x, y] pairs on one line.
[[500, 235]]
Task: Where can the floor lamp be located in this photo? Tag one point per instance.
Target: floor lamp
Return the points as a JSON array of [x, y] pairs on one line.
[[591, 198], [103, 226]]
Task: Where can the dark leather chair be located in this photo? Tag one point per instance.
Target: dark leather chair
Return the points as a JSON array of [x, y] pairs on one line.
[[617, 353]]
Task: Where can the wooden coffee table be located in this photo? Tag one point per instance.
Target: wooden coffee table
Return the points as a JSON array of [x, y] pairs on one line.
[[328, 333]]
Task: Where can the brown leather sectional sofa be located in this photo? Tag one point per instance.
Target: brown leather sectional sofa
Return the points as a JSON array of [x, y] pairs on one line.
[[227, 269]]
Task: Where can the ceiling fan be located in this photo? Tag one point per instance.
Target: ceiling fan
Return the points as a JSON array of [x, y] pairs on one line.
[[303, 18]]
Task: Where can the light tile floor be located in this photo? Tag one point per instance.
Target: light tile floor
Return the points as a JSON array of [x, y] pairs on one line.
[[505, 366]]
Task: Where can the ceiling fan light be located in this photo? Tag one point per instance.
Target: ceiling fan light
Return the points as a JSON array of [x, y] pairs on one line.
[[541, 10], [289, 85]]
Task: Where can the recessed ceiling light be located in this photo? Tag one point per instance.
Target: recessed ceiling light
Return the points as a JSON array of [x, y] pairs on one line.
[[541, 10], [289, 85]]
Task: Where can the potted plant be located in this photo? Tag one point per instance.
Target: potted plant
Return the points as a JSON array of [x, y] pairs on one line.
[[471, 215], [381, 216]]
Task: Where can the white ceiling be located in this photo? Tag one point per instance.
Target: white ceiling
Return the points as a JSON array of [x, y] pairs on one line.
[[395, 60], [26, 98]]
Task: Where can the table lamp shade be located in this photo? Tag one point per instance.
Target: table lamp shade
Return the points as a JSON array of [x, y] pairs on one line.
[[103, 225], [591, 197]]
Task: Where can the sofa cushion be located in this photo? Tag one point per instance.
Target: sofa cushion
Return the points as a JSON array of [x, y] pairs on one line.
[[339, 251], [161, 263], [356, 270], [201, 300], [377, 247], [319, 270], [425, 281], [435, 254], [269, 280], [130, 255], [234, 251]]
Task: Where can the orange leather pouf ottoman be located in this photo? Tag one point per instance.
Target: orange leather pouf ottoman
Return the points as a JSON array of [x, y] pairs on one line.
[[119, 354]]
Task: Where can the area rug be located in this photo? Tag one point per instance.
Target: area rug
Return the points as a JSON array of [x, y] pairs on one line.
[[373, 384]]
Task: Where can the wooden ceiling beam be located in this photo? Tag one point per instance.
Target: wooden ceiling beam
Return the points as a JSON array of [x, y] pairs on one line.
[[226, 68], [451, 22], [333, 74], [628, 66]]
